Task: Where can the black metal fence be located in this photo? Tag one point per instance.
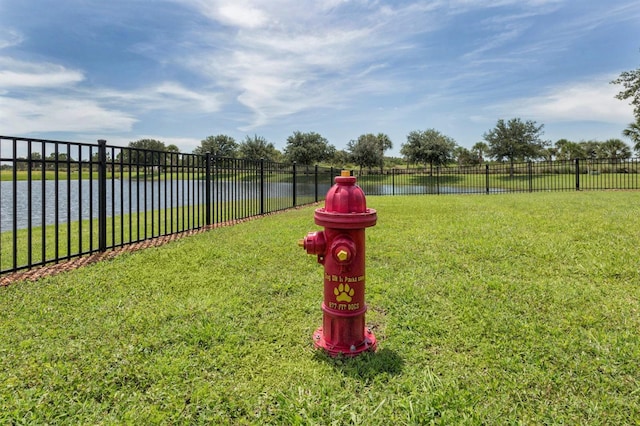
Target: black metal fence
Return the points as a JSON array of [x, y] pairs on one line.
[[60, 200], [559, 175]]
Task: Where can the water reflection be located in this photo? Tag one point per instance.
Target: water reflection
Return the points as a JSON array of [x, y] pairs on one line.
[[78, 199]]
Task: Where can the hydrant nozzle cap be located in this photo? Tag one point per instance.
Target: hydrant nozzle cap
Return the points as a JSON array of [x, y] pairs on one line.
[[345, 173], [301, 242]]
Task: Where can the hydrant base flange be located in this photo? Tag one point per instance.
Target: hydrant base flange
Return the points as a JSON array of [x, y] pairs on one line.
[[369, 344]]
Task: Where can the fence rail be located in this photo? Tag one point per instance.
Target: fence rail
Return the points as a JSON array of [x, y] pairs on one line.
[[559, 175], [60, 200]]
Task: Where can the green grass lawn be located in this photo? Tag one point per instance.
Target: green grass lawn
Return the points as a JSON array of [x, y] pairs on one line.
[[502, 309]]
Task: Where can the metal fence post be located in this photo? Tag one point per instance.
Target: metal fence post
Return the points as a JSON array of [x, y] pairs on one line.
[[315, 182], [294, 184], [102, 195], [393, 181], [577, 174], [207, 194], [486, 173], [262, 186], [530, 170], [15, 205]]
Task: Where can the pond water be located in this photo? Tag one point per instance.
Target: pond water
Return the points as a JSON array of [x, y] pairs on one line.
[[79, 199]]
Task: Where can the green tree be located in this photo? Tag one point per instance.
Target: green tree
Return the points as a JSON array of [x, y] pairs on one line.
[[480, 149], [515, 141], [256, 148], [144, 152], [428, 147], [567, 150], [633, 132], [550, 153], [465, 157], [616, 149], [384, 143], [630, 80], [35, 157], [221, 145], [560, 147], [340, 158], [308, 148], [172, 158], [592, 149], [151, 144], [61, 157], [368, 150]]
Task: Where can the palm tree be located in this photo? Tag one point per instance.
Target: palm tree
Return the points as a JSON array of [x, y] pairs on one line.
[[480, 148], [384, 143], [616, 149], [567, 150], [633, 133]]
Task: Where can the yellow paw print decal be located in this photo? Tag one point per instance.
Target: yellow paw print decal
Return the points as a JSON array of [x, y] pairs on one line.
[[344, 293]]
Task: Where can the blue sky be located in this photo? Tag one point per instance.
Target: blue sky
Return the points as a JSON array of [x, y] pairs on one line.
[[181, 70]]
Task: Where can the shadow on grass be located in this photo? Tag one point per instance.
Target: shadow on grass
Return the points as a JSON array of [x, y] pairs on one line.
[[367, 365]]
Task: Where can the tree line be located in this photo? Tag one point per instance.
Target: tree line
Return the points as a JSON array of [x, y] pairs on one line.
[[511, 141]]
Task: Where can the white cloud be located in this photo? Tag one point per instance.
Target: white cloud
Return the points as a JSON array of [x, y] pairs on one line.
[[467, 5], [10, 38], [17, 74], [24, 116], [164, 96], [241, 14], [591, 100], [58, 101], [173, 96], [290, 56]]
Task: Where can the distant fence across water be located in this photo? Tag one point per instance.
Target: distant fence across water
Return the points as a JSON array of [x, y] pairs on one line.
[[60, 200], [488, 178]]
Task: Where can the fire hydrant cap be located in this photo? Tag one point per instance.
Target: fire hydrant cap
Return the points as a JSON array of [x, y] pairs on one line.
[[345, 196], [345, 206]]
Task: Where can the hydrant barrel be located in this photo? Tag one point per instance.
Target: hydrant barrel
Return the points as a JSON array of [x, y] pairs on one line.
[[341, 250]]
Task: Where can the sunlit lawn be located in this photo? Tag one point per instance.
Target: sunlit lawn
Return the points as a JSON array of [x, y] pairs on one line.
[[499, 309]]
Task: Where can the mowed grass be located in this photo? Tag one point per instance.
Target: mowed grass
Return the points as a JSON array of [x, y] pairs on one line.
[[503, 309]]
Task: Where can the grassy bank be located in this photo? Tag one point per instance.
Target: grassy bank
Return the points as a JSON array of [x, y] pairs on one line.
[[446, 178], [488, 309]]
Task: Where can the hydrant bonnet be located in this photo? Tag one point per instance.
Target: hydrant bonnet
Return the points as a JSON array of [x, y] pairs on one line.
[[345, 206]]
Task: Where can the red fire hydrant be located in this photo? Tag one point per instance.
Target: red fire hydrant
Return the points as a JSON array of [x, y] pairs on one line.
[[341, 249]]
